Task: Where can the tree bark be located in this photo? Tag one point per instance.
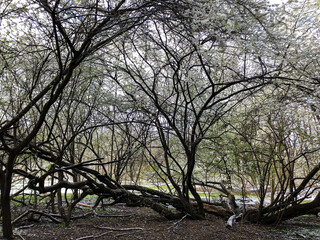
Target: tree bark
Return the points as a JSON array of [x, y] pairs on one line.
[[6, 180]]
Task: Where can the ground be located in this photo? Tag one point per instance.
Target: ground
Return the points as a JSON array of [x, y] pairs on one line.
[[122, 222]]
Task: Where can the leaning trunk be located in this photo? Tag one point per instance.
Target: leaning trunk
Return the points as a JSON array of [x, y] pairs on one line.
[[198, 211]]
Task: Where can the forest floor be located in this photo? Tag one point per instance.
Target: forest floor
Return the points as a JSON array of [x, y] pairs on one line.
[[122, 222]]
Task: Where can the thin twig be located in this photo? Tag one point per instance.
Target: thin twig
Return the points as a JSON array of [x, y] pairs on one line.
[[126, 215], [120, 229], [25, 227], [94, 236], [20, 217], [176, 223], [19, 235], [35, 212], [129, 233]]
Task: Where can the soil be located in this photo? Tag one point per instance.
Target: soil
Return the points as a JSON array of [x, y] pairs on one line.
[[122, 222]]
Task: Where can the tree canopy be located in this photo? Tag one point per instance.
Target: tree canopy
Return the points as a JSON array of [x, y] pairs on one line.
[[161, 104]]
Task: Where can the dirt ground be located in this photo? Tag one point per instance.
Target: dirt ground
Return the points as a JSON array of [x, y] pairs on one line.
[[122, 222]]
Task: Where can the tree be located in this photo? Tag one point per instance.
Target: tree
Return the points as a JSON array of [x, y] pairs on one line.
[[68, 33], [186, 79]]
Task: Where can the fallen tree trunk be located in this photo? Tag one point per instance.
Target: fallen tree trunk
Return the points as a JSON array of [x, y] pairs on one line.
[[120, 194]]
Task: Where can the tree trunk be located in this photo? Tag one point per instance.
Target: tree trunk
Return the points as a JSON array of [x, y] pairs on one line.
[[6, 180], [1, 187], [6, 215], [269, 216], [60, 201], [198, 212]]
